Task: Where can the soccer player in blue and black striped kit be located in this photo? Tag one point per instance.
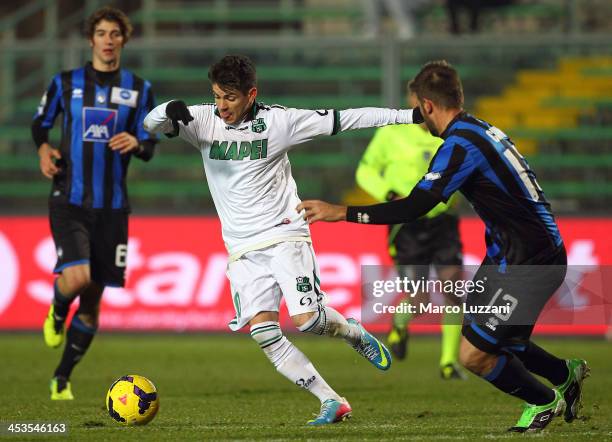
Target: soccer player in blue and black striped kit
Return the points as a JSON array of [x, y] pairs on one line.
[[103, 108], [525, 262]]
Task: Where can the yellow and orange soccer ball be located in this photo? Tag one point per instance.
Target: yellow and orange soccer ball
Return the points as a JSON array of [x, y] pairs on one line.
[[132, 400]]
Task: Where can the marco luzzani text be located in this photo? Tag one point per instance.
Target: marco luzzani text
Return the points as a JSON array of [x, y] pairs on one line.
[[411, 287]]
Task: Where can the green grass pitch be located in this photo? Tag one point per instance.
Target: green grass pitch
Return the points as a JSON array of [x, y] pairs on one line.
[[222, 387]]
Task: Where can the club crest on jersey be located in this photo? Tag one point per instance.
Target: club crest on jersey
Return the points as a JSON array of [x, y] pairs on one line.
[[258, 125], [303, 284], [127, 97], [99, 124]]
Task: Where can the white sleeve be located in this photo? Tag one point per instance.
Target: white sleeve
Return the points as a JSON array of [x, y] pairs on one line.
[[365, 117], [304, 125], [157, 122]]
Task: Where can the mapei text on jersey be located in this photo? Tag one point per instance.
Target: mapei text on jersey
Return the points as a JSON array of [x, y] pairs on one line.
[[239, 150]]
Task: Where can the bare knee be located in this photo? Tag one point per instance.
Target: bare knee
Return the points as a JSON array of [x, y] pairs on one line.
[[75, 279], [475, 360], [264, 316]]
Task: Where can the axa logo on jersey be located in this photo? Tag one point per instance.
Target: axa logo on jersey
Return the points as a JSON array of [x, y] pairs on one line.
[[99, 124]]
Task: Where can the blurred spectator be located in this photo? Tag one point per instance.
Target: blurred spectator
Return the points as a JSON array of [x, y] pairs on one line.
[[474, 8], [401, 11]]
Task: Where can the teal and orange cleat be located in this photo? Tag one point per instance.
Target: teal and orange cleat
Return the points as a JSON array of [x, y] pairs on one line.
[[371, 348], [332, 411]]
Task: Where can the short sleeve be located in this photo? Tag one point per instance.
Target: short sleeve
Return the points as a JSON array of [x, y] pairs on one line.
[[147, 103], [50, 104]]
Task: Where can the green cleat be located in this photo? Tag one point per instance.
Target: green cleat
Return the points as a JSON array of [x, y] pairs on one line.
[[53, 329], [571, 389], [536, 417], [60, 389], [398, 342]]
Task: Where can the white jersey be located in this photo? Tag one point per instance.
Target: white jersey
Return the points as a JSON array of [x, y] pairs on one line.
[[248, 170]]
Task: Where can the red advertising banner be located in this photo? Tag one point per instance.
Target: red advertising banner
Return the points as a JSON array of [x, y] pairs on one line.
[[176, 270]]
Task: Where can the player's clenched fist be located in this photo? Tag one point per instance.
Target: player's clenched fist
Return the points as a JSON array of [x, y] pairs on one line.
[[315, 210], [47, 155], [177, 111]]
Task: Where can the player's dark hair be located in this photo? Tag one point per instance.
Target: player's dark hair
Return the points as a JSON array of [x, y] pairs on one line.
[[439, 82], [234, 72], [111, 14]]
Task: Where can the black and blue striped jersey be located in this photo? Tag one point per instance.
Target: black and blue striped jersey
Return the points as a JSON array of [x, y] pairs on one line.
[[482, 162], [95, 106]]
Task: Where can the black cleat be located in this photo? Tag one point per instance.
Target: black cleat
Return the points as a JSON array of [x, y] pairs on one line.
[[397, 341]]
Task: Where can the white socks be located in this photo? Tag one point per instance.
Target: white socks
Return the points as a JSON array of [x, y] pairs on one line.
[[290, 361], [327, 321]]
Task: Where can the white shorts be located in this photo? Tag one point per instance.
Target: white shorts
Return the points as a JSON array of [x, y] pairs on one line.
[[259, 279]]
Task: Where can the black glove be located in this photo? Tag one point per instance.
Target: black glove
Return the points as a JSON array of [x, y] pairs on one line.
[[417, 117], [177, 111]]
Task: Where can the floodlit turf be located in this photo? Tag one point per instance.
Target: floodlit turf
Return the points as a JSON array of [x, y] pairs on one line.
[[222, 387]]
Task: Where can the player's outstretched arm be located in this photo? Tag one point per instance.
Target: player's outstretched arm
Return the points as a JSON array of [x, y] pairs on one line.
[[304, 124], [316, 210], [415, 205], [366, 117]]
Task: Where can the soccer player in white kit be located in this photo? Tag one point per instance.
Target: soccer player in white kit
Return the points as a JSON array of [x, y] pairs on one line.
[[244, 147]]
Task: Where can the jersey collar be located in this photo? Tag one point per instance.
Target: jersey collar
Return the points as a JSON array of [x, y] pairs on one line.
[[102, 78], [446, 133]]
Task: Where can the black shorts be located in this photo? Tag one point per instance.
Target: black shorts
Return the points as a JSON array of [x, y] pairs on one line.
[[94, 237], [525, 289], [426, 241]]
